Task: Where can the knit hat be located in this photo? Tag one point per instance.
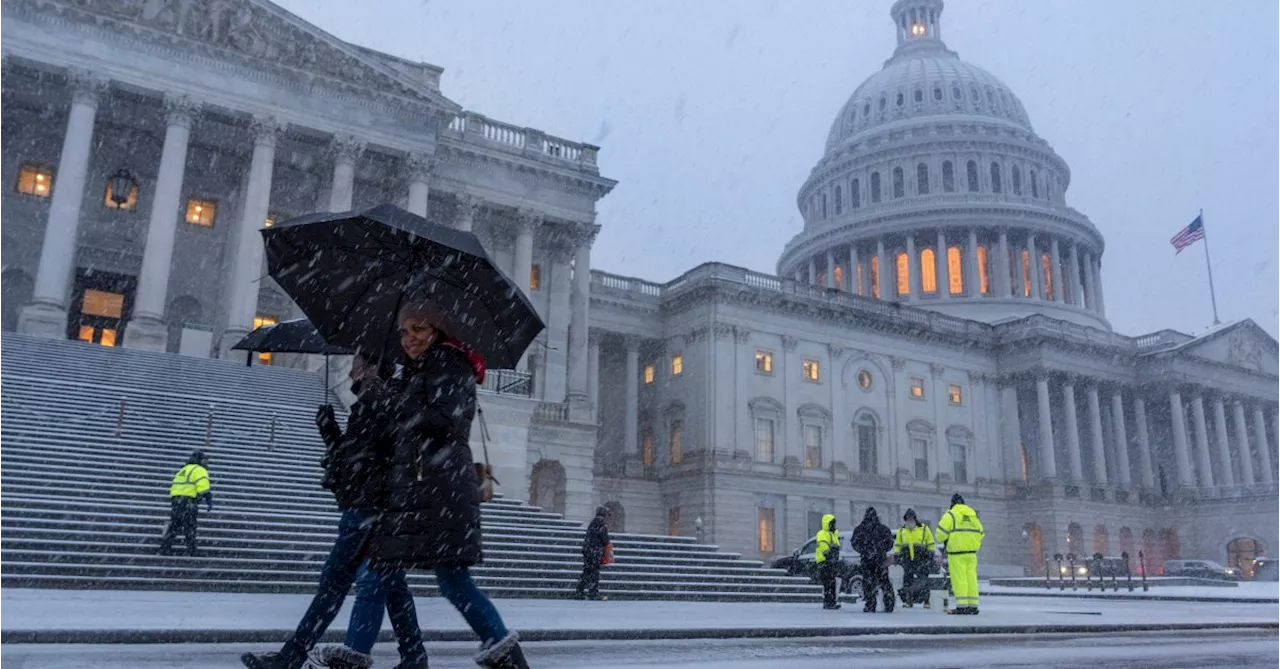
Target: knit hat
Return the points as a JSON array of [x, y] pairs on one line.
[[956, 499]]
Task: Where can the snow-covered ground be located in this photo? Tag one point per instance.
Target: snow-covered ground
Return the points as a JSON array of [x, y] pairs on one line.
[[1246, 590], [153, 611]]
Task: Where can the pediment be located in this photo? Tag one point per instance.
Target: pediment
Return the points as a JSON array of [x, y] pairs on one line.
[[256, 30], [1242, 344]]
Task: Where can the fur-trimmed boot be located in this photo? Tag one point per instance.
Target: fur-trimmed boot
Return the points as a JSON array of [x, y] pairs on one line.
[[342, 657], [504, 654]]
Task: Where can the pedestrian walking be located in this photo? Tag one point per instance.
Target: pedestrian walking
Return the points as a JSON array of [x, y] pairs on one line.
[[190, 486], [355, 470], [913, 546], [873, 541], [960, 536], [594, 546], [432, 517], [827, 556]]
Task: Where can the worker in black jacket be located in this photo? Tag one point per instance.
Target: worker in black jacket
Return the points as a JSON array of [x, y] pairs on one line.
[[593, 548], [873, 540]]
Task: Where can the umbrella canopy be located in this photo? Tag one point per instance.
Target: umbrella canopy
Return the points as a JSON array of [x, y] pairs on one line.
[[296, 336], [351, 272]]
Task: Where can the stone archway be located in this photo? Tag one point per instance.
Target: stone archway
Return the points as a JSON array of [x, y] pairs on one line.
[[1101, 539], [547, 486], [1170, 545], [617, 516], [1241, 553]]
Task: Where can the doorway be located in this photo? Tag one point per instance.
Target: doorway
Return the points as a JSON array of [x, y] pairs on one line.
[[101, 304]]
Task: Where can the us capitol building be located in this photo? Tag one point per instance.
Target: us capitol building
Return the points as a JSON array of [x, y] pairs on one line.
[[938, 326]]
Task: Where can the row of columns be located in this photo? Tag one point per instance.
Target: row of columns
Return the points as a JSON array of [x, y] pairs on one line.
[[1184, 457], [1081, 287]]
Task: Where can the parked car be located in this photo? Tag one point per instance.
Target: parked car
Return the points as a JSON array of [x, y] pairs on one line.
[[1199, 569], [802, 562], [1266, 569], [1110, 566]]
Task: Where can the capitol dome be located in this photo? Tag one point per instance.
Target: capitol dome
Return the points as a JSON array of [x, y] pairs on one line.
[[933, 171]]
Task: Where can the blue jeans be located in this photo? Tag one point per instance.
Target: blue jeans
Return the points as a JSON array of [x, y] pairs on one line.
[[376, 591], [336, 576], [456, 585]]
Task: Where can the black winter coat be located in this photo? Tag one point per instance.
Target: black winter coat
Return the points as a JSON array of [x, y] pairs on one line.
[[872, 539], [356, 462], [597, 538], [431, 517]]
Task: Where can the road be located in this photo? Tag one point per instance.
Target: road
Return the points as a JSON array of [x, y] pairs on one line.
[[1242, 649]]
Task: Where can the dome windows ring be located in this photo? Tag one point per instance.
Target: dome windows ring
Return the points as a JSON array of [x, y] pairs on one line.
[[919, 95], [955, 92], [901, 99], [937, 93]]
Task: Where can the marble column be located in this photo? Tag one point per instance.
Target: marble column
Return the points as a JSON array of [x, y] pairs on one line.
[[1144, 443], [942, 269], [247, 265], [913, 275], [853, 274], [420, 167], [972, 275], [346, 151], [580, 302], [46, 315], [1073, 431], [1123, 470], [1182, 457], [465, 214], [1033, 269], [813, 271], [1073, 275], [1226, 474], [1055, 271], [527, 221], [1090, 297], [1011, 429], [882, 262], [1242, 444], [147, 329], [593, 367], [1048, 466], [1203, 462], [1264, 447], [1097, 285], [1098, 444], [1003, 282], [631, 441]]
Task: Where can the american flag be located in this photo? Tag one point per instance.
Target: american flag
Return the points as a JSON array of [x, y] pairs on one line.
[[1189, 235]]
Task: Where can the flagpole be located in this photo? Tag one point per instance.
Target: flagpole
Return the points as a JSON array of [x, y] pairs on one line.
[[1213, 296]]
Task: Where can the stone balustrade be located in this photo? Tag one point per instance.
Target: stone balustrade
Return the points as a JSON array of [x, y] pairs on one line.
[[475, 128]]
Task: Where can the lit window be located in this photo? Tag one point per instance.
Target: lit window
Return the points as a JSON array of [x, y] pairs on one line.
[[86, 333], [858, 273], [108, 337], [875, 276], [765, 525], [917, 387], [259, 321], [677, 365], [955, 271], [904, 274], [865, 380], [130, 201], [1026, 273], [535, 277], [1046, 269], [810, 370], [984, 276], [673, 521], [35, 180], [677, 442], [201, 212], [917, 29], [646, 447], [928, 271], [955, 394], [648, 374], [102, 303], [764, 362], [764, 439], [839, 277], [813, 446]]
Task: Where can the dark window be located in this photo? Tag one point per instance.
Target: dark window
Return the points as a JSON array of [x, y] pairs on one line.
[[971, 171], [899, 183], [1035, 185], [824, 205], [900, 99], [937, 93], [1016, 179], [955, 92], [922, 179], [948, 177], [867, 445], [881, 103], [839, 201], [866, 110], [875, 187], [855, 194], [919, 96], [995, 178]]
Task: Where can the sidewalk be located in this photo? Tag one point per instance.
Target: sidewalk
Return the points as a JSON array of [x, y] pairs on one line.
[[1246, 592], [97, 616]]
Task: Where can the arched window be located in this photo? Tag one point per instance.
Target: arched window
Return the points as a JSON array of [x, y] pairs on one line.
[[1046, 267], [971, 172], [955, 270], [1035, 185], [839, 201], [1101, 539], [899, 183], [677, 441], [904, 275], [1026, 274], [984, 272], [919, 95], [948, 177], [928, 271], [1075, 539], [875, 187], [922, 179], [838, 273], [882, 103], [1016, 180], [1170, 547], [646, 446], [1151, 558], [995, 177], [1035, 547], [1126, 545], [824, 206], [855, 194], [875, 276], [865, 432]]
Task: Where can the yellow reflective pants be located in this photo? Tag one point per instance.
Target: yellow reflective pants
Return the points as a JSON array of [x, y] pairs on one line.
[[963, 569]]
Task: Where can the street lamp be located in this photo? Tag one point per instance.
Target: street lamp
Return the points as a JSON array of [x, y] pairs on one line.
[[122, 184], [697, 526]]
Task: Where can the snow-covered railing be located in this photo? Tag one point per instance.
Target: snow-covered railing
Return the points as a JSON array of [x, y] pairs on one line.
[[472, 127]]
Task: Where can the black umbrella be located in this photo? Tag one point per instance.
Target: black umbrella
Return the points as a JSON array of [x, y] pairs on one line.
[[295, 336], [351, 272]]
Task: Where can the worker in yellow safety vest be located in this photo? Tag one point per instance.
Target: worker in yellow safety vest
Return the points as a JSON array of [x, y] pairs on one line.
[[190, 486], [960, 535], [827, 556], [914, 548]]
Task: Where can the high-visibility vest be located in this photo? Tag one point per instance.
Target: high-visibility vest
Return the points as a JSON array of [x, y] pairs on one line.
[[960, 531], [921, 538], [826, 539], [190, 481]]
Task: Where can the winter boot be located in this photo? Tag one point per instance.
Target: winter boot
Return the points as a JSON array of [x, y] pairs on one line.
[[503, 654], [342, 657]]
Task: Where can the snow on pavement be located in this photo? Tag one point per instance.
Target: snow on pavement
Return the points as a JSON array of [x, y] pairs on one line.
[[1246, 590]]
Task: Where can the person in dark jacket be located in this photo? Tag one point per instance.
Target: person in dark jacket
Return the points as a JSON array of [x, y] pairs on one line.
[[873, 541], [355, 470], [432, 516], [593, 547]]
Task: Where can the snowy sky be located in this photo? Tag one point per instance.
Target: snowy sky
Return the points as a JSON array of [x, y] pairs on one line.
[[711, 113]]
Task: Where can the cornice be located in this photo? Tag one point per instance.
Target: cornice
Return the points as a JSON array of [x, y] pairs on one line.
[[463, 154]]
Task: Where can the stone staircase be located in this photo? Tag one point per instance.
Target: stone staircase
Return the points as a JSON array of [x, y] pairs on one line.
[[91, 436]]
